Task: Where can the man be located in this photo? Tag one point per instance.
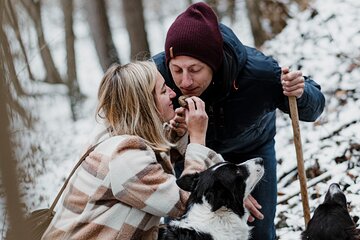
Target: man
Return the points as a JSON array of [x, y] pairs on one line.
[[242, 88]]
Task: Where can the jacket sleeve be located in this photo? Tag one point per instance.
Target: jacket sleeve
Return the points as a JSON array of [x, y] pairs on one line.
[[138, 180], [199, 158], [311, 104]]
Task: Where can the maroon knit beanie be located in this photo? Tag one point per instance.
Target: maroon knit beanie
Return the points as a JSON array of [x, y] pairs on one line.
[[195, 33]]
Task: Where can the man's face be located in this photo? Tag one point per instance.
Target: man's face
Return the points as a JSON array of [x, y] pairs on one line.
[[190, 75]]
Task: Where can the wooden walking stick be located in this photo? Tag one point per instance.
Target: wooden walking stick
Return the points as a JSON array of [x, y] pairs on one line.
[[299, 157]]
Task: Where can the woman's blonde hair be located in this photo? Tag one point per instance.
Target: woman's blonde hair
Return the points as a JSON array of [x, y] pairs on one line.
[[127, 102]]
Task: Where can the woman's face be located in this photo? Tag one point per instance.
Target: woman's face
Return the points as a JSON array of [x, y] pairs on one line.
[[163, 99], [190, 75]]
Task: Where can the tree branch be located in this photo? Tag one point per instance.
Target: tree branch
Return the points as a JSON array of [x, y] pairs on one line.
[[10, 13]]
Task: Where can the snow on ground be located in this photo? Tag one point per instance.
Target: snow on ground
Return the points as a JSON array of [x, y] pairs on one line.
[[322, 41]]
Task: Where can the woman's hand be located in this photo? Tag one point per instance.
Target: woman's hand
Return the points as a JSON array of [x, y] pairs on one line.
[[196, 120], [178, 123]]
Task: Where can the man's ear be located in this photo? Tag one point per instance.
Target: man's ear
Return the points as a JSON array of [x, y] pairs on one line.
[[188, 182]]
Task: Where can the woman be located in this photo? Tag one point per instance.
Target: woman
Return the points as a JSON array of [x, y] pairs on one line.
[[127, 183]]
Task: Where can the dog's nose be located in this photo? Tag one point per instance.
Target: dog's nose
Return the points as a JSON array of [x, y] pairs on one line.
[[259, 161], [335, 186]]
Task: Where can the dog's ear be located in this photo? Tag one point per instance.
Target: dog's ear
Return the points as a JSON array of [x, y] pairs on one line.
[[188, 182]]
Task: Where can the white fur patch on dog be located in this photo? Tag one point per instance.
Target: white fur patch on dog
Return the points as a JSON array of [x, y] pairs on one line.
[[220, 165], [221, 224], [256, 172], [333, 189]]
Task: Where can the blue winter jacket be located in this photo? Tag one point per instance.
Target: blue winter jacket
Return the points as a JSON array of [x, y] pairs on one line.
[[243, 97]]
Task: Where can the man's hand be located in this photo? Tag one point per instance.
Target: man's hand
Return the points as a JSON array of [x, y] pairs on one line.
[[252, 205], [293, 83]]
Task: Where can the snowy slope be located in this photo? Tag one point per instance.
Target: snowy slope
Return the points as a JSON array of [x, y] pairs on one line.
[[324, 42]]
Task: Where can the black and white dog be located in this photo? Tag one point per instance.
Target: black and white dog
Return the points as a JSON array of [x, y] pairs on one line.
[[331, 220], [215, 207]]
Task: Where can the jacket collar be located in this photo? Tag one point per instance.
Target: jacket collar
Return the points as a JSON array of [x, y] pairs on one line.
[[225, 79]]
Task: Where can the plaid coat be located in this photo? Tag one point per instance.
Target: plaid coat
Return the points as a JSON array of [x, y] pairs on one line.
[[122, 189]]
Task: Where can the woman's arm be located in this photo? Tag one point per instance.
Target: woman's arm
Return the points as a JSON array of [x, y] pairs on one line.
[[139, 180]]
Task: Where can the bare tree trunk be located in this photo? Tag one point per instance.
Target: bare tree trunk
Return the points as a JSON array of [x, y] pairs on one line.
[[231, 10], [135, 24], [71, 82], [276, 12], [34, 10], [303, 4], [101, 33], [8, 163], [254, 13], [10, 64], [8, 60], [12, 17], [9, 72]]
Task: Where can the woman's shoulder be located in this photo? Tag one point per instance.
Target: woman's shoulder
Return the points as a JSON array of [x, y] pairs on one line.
[[120, 143]]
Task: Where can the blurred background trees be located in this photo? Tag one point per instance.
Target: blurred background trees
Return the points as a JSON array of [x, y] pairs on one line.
[[267, 18], [21, 18]]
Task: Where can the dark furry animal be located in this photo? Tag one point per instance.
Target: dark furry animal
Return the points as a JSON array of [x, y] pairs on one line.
[[331, 220], [215, 208]]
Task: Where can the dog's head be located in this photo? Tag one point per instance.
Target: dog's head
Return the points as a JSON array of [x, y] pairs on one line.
[[224, 184], [331, 220]]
